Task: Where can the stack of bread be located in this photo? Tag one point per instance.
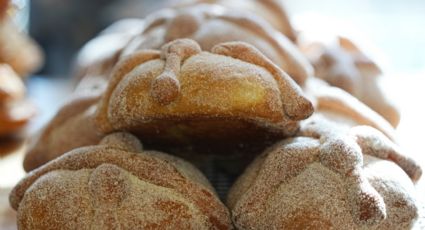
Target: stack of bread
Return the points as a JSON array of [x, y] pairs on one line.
[[225, 80], [19, 56]]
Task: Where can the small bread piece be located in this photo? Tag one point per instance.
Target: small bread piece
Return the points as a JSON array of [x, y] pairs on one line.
[[181, 95], [328, 178], [15, 111], [338, 105], [16, 48], [117, 185], [71, 127], [341, 63], [271, 10], [210, 25]]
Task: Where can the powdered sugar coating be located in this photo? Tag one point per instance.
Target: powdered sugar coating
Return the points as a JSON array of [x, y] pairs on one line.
[[290, 186], [70, 128], [229, 94], [365, 139], [271, 10], [166, 87], [210, 25], [106, 186]]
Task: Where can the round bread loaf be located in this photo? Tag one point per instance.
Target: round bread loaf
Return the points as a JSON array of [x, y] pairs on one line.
[[215, 100], [330, 177], [117, 185]]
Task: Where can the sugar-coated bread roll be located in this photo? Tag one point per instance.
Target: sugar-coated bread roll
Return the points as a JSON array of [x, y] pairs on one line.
[[341, 63], [210, 25], [71, 127], [219, 99], [330, 177], [117, 185], [271, 10]]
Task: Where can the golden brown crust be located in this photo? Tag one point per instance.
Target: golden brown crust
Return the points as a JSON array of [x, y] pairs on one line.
[[166, 87], [301, 108], [210, 25], [117, 184], [183, 95], [323, 182], [119, 72], [342, 64], [70, 128]]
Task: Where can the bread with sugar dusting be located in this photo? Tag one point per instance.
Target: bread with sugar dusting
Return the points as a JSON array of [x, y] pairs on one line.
[[343, 64], [72, 127], [117, 185], [184, 96], [329, 177], [271, 10], [210, 25]]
